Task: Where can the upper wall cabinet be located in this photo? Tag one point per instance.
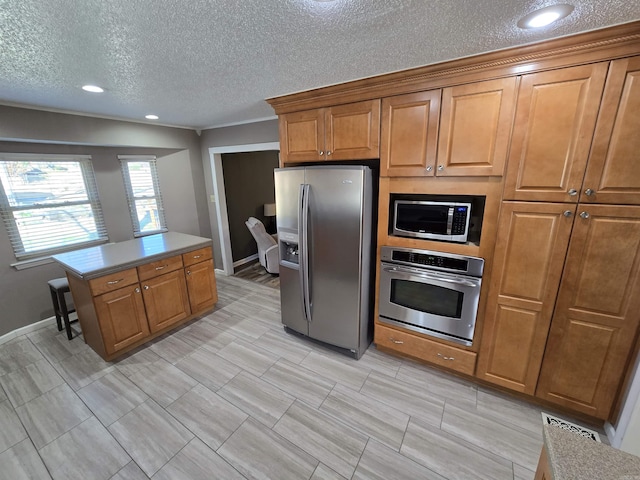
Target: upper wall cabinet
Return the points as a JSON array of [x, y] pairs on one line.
[[475, 123], [410, 134], [555, 120], [344, 132], [613, 171]]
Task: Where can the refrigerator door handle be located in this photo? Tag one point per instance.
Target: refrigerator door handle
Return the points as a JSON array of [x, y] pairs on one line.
[[304, 250]]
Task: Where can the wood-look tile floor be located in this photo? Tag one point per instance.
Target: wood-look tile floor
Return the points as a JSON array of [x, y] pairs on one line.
[[232, 396]]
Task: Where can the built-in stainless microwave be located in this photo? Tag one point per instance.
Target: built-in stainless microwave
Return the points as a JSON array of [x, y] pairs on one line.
[[432, 220]]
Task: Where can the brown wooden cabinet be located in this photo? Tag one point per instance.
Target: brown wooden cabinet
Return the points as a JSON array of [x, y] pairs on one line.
[[165, 300], [596, 318], [613, 171], [343, 132], [201, 285], [466, 133], [555, 121], [528, 261], [122, 310], [409, 140], [543, 472], [122, 318]]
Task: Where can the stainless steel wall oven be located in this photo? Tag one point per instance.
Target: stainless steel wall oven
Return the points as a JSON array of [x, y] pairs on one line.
[[430, 292]]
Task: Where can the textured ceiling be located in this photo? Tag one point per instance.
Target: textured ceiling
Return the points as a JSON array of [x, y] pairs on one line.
[[207, 63]]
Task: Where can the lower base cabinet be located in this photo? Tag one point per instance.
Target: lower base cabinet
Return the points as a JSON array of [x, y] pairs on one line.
[[543, 472], [122, 310], [417, 346], [562, 313]]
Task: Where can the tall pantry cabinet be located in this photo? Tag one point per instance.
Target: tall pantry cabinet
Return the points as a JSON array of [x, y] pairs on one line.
[[562, 314]]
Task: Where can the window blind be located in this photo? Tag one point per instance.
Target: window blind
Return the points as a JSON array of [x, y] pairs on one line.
[[141, 182], [49, 203]]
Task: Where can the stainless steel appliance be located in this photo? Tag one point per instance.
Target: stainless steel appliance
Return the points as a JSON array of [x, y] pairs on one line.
[[430, 292], [324, 226], [433, 220]]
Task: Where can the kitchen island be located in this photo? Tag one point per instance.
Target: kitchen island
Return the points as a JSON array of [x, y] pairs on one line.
[[569, 456], [127, 293]]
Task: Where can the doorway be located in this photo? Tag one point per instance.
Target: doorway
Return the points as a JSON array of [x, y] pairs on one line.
[[215, 157]]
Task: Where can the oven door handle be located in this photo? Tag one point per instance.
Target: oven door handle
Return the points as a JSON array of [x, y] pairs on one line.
[[439, 278]]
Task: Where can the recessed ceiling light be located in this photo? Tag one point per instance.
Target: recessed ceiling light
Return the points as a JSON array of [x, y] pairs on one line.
[[151, 117], [92, 88], [545, 16]]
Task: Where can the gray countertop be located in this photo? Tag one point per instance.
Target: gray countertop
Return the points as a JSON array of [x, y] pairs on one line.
[[97, 261], [573, 457]]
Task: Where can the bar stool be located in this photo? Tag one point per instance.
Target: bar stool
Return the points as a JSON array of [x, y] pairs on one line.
[[58, 287]]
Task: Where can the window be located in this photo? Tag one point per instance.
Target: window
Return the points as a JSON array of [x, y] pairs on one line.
[[49, 203], [143, 194]]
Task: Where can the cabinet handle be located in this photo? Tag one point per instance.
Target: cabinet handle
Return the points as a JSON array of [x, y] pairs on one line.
[[397, 342], [114, 282], [573, 192], [188, 272], [584, 215], [567, 213], [197, 256], [445, 358], [137, 290], [588, 192], [162, 267], [440, 168], [321, 152], [146, 287], [429, 168]]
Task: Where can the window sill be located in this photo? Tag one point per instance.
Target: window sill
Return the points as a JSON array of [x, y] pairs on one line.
[[32, 262]]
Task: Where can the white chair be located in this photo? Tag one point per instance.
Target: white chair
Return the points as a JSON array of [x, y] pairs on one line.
[[267, 246]]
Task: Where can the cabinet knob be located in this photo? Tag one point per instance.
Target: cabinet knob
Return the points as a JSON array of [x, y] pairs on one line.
[[321, 152], [440, 168], [429, 168], [146, 287], [137, 290], [188, 272], [328, 152], [567, 213], [588, 192], [584, 215], [573, 192]]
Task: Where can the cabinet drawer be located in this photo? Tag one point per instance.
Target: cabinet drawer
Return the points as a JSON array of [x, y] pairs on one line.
[[196, 256], [419, 347], [113, 281], [159, 267]]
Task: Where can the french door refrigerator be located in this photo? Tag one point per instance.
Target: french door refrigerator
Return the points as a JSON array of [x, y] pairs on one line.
[[324, 222]]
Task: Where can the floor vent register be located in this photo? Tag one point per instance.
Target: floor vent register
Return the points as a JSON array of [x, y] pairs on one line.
[[572, 427]]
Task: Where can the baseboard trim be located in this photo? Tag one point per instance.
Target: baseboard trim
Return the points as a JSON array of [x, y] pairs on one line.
[[245, 260], [610, 430], [27, 329]]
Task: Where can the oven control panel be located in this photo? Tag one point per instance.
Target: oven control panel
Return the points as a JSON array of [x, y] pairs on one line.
[[447, 262]]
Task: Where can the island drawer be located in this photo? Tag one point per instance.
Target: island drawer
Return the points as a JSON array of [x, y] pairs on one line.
[[159, 267], [431, 351], [113, 281], [196, 256]]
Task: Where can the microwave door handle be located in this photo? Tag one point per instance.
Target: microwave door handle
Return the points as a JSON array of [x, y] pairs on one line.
[[456, 281], [304, 250], [450, 220]]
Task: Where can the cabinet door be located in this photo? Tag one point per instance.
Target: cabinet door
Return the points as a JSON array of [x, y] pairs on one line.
[[166, 300], [122, 318], [352, 131], [475, 128], [530, 253], [410, 134], [596, 317], [302, 136], [613, 172], [555, 119], [201, 284]]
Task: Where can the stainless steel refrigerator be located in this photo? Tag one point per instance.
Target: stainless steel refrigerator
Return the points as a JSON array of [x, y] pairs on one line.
[[324, 220]]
